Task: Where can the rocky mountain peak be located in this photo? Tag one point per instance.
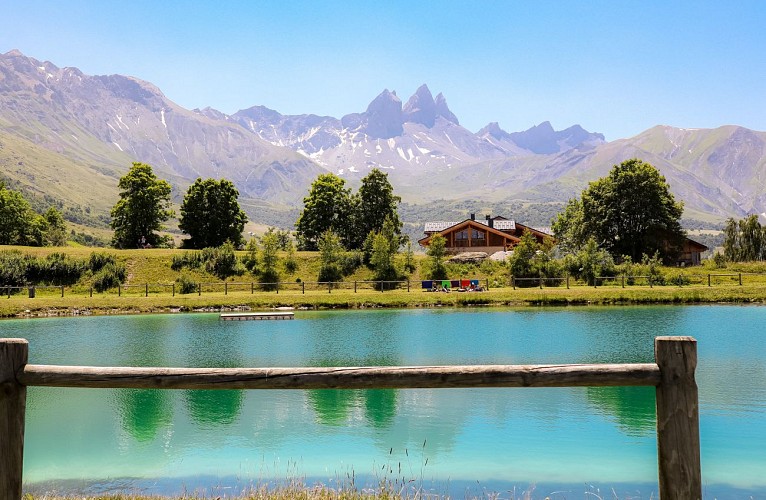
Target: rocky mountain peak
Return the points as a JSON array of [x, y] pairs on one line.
[[443, 110], [421, 108], [493, 129]]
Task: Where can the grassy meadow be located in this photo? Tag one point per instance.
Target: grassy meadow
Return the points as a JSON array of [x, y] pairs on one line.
[[150, 270]]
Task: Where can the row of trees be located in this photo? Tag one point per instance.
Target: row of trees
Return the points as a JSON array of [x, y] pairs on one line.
[[744, 240], [210, 213], [21, 225], [353, 217]]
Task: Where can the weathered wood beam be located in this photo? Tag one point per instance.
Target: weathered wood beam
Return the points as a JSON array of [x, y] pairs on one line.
[[414, 377], [678, 436], [13, 398]]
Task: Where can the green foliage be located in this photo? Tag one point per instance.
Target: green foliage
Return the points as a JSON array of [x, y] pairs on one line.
[[210, 214], [269, 260], [331, 206], [250, 261], [143, 206], [221, 262], [744, 240], [652, 267], [630, 212], [409, 258], [330, 251], [21, 225], [326, 208], [97, 260], [590, 262], [533, 260], [188, 260], [186, 284], [376, 206], [291, 263], [55, 231], [437, 250], [109, 276], [382, 260]]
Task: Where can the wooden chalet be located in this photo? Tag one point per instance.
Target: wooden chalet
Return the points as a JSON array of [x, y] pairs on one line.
[[493, 234], [691, 253]]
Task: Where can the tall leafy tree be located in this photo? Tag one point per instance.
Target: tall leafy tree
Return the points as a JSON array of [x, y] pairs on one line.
[[210, 214], [376, 202], [629, 212], [55, 234], [16, 217], [143, 206], [326, 208], [744, 240], [269, 260]]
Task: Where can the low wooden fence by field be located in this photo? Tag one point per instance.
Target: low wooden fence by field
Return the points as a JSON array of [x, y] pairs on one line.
[[672, 373], [146, 289]]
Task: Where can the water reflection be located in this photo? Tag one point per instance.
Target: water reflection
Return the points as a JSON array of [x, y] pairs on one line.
[[211, 408], [633, 408], [144, 411], [332, 406], [380, 407]]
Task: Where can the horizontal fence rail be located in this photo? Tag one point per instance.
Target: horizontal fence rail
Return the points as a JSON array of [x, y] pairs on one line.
[[377, 377], [672, 375]]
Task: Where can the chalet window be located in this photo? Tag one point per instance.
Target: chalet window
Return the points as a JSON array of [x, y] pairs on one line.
[[461, 235], [477, 235]]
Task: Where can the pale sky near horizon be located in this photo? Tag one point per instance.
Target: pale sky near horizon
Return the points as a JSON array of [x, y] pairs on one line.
[[613, 67]]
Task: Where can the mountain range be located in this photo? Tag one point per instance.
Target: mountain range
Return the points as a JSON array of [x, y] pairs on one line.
[[68, 137]]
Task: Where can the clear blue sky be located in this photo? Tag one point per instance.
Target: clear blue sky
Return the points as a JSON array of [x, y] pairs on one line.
[[616, 67]]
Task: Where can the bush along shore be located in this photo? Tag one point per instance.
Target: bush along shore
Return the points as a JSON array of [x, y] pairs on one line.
[[78, 281]]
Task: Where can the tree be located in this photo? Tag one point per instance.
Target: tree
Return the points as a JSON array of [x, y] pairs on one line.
[[376, 202], [269, 260], [55, 234], [143, 206], [326, 208], [330, 251], [629, 212], [385, 246], [436, 252], [15, 217], [744, 240], [210, 214]]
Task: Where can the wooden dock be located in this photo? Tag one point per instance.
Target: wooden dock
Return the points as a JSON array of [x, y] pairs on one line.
[[251, 316]]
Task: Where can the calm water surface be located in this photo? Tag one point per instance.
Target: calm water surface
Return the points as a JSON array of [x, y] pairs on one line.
[[562, 443]]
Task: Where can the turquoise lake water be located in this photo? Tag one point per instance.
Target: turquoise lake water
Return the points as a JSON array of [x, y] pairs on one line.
[[561, 443]]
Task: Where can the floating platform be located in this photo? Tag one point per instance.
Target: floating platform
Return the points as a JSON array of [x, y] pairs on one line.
[[252, 316]]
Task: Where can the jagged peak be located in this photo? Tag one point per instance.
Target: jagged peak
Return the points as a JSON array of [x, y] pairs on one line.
[[443, 110], [14, 53], [493, 129]]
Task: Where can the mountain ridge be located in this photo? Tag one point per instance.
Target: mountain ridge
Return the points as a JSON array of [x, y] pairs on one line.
[[102, 123]]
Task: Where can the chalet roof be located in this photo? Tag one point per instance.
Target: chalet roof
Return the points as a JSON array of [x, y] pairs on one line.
[[439, 226]]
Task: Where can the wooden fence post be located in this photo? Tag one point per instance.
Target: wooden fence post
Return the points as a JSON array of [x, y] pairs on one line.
[[62, 287], [13, 398], [199, 289], [678, 437], [708, 279], [740, 279], [146, 290], [303, 287]]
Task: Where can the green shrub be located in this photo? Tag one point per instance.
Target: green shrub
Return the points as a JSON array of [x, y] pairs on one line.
[[56, 269], [188, 260], [110, 276], [98, 260], [222, 261], [186, 284]]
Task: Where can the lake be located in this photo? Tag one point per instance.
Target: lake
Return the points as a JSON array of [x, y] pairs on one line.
[[560, 442]]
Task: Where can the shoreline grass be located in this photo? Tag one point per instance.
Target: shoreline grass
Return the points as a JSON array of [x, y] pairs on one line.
[[52, 304]]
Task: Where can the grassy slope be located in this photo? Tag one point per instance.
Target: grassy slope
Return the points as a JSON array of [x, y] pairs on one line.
[[153, 266]]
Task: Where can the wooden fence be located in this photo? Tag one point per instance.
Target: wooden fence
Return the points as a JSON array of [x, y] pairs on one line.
[[672, 374]]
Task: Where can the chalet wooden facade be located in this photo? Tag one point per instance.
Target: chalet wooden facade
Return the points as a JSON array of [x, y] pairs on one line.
[[691, 253], [493, 234]]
